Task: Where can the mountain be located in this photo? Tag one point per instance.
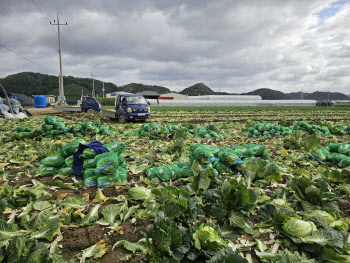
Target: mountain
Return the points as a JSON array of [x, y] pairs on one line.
[[197, 89], [136, 87], [319, 95], [269, 94], [30, 83]]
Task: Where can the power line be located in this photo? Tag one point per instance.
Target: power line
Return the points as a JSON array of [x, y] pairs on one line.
[[40, 10], [58, 10], [76, 46], [23, 57], [44, 7], [44, 55], [19, 20]]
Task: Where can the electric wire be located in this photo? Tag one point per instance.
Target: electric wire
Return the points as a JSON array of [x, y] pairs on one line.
[[23, 57], [19, 20]]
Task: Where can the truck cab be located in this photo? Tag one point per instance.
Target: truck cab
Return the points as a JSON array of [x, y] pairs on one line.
[[132, 107], [90, 104]]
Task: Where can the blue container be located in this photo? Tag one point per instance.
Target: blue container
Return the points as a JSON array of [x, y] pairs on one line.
[[40, 101]]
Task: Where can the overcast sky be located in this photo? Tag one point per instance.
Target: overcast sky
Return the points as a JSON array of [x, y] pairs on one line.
[[229, 45]]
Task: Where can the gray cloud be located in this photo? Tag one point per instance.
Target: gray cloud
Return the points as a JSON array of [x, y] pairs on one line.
[[234, 46]]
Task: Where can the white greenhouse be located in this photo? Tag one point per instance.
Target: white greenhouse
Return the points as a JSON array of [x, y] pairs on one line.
[[228, 102], [225, 97]]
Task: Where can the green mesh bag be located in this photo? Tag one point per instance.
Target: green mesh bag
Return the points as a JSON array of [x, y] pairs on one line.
[[340, 160], [122, 173], [256, 149], [103, 129], [69, 161], [48, 171], [88, 153], [344, 148], [106, 163], [201, 153], [67, 170], [221, 168], [22, 135], [23, 129], [89, 177], [106, 180], [322, 154], [56, 160], [72, 147], [228, 158], [86, 124], [213, 134], [56, 132], [75, 129], [69, 134], [325, 130], [122, 161], [116, 147], [111, 133], [91, 130], [130, 134], [333, 147], [345, 162], [165, 173], [47, 127], [89, 163], [59, 125], [304, 125], [337, 158], [185, 168], [242, 151], [50, 119], [264, 156]]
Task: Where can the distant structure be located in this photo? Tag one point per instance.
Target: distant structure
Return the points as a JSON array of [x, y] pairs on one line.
[[150, 94], [172, 96], [225, 97], [50, 99]]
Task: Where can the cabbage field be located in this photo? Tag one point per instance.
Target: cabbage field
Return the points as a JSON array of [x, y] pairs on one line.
[[192, 185]]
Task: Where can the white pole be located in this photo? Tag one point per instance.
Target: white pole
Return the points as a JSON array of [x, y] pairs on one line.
[[61, 91]]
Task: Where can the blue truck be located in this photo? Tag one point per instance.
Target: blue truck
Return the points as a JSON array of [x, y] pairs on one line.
[[88, 104], [129, 107]]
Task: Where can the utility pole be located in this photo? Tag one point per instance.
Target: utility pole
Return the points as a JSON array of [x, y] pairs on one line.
[[60, 89], [93, 84], [103, 89]]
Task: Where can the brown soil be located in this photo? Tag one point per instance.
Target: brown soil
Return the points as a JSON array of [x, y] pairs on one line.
[[77, 239]]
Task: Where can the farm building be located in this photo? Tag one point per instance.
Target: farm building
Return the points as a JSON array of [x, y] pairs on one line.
[[173, 96]]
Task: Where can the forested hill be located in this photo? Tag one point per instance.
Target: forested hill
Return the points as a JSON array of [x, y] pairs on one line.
[[269, 94], [30, 83], [198, 89]]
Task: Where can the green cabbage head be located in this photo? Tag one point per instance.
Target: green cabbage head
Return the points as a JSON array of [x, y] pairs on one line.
[[139, 193], [207, 238], [340, 225], [299, 228]]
